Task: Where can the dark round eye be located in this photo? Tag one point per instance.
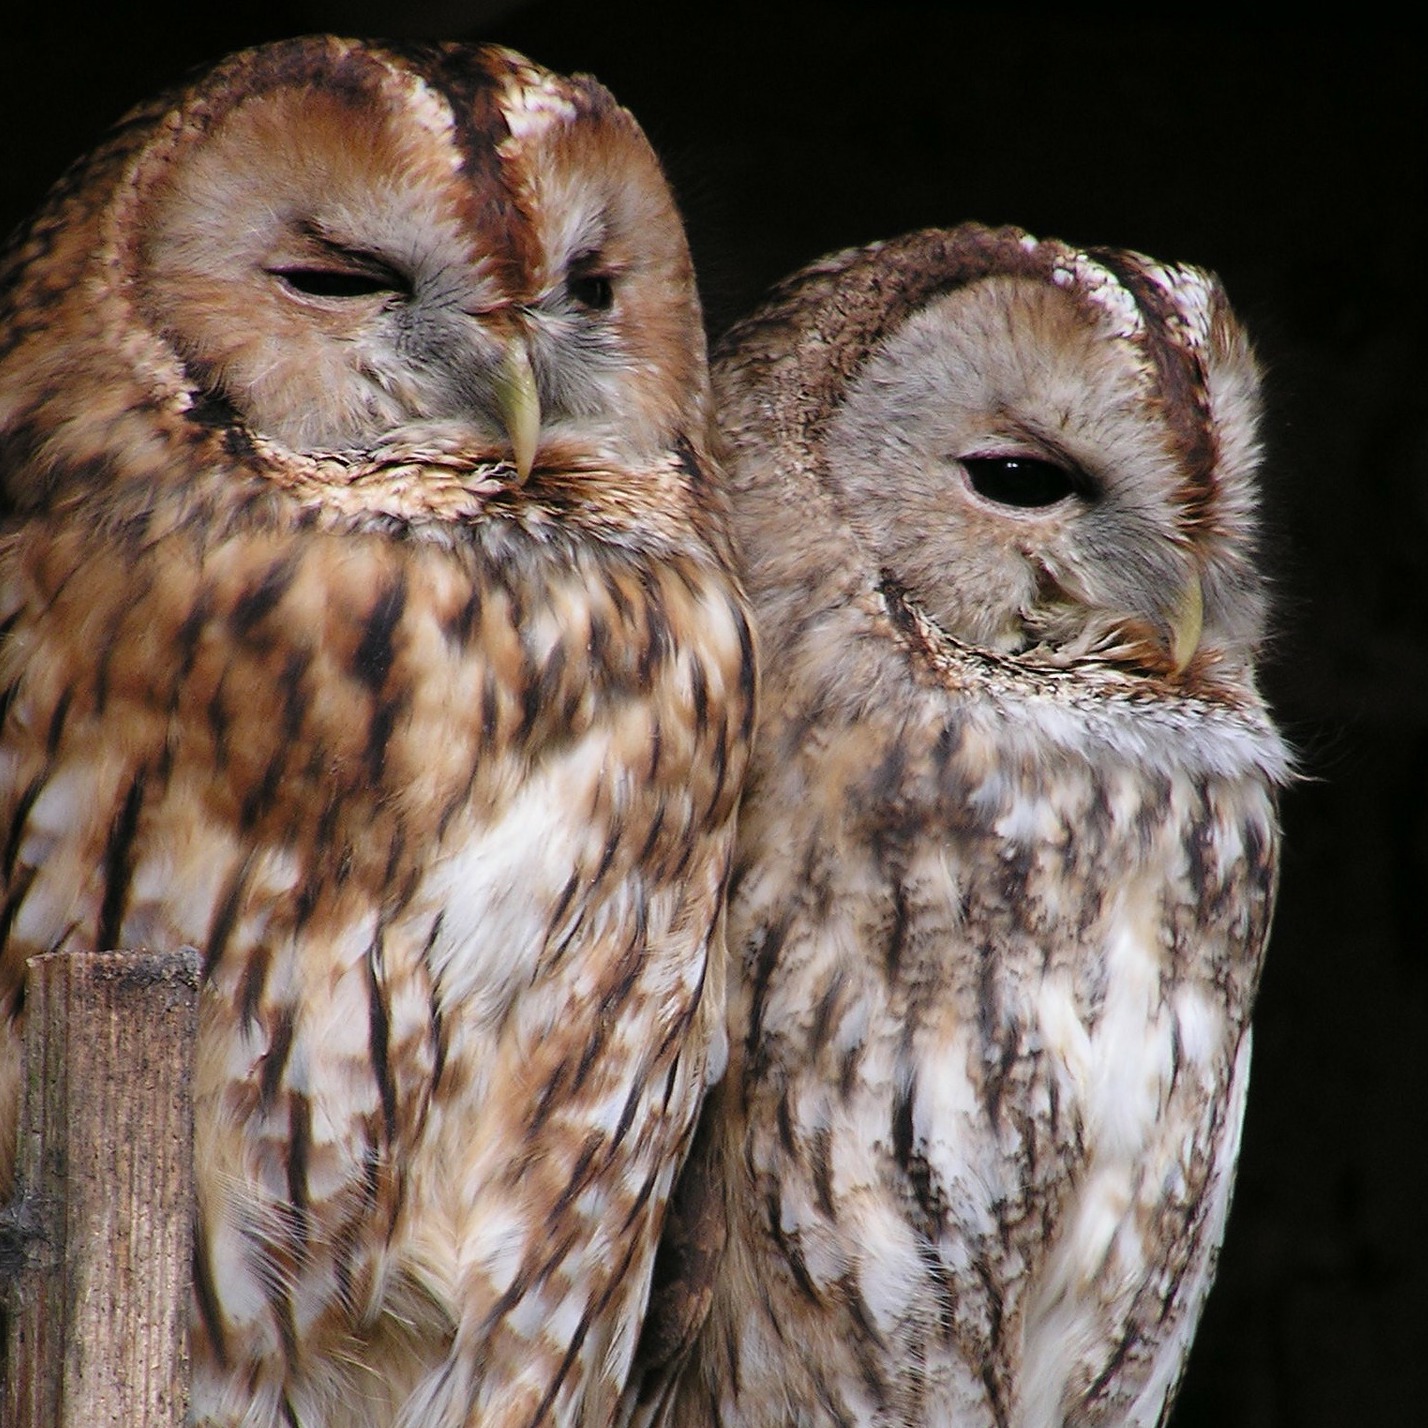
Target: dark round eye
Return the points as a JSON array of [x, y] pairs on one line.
[[339, 282], [592, 290], [1022, 480]]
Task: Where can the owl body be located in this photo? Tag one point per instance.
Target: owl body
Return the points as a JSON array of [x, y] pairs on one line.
[[369, 627], [1007, 857]]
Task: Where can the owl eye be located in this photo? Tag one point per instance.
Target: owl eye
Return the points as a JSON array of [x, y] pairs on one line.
[[369, 279], [1022, 480], [590, 286]]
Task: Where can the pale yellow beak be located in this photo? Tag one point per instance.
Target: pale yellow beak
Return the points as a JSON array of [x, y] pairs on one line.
[[1187, 624], [520, 404]]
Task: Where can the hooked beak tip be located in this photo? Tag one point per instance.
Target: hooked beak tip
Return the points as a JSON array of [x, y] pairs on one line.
[[1187, 624], [519, 401]]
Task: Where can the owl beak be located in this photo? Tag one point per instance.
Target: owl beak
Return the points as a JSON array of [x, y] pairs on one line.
[[1187, 623], [519, 400]]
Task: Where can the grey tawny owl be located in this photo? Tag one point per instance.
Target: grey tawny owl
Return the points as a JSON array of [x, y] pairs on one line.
[[1008, 854], [368, 625]]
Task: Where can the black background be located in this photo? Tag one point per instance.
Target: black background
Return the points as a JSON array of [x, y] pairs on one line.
[[1293, 161]]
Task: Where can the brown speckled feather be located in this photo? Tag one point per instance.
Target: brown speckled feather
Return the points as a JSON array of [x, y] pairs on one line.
[[435, 765], [1008, 854]]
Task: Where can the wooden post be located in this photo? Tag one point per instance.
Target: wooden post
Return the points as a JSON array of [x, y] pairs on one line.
[[97, 1329]]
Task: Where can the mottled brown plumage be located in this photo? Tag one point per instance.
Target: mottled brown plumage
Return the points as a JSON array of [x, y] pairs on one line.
[[1007, 857], [368, 626]]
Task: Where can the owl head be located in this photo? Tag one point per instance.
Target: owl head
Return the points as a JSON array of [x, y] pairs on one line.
[[325, 246], [1051, 452]]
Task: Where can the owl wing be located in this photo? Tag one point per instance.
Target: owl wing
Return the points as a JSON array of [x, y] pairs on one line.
[[455, 859], [989, 1098]]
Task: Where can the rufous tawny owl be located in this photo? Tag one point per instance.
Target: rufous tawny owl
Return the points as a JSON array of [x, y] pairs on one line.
[[368, 625], [1007, 857]]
